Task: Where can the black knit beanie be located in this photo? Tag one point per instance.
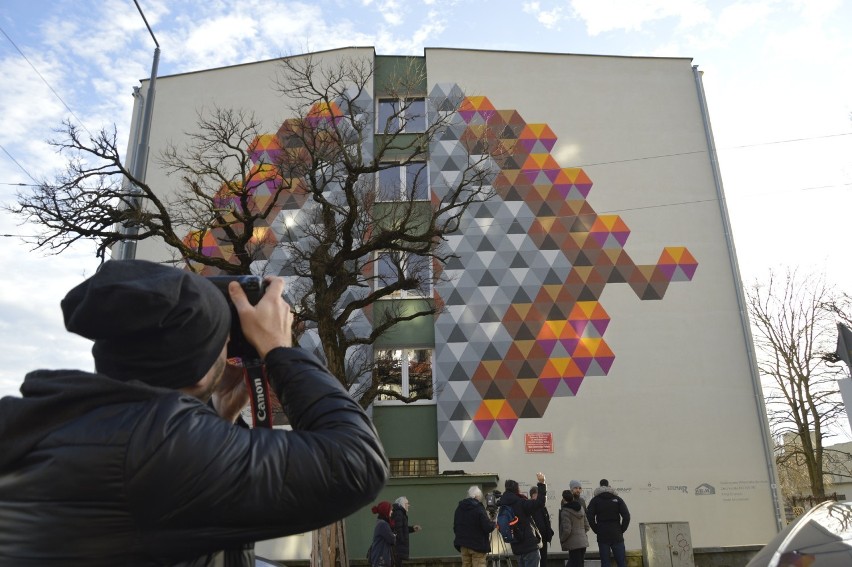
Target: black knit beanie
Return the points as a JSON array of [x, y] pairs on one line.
[[154, 323]]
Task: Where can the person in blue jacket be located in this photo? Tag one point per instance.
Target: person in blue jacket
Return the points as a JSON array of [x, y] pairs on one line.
[[140, 462], [381, 552]]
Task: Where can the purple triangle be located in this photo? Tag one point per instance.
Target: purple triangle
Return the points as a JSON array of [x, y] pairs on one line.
[[547, 345], [573, 384], [600, 325], [689, 270], [507, 425], [570, 344], [667, 270], [549, 384], [583, 363], [605, 363], [484, 426]]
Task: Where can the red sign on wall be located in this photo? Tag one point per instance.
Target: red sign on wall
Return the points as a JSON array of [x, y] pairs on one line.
[[538, 442]]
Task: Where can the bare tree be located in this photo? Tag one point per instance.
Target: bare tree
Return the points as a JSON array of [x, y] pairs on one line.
[[349, 237], [343, 208], [794, 329]]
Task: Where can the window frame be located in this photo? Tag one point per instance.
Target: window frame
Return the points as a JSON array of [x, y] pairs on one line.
[[405, 379], [403, 118], [403, 177]]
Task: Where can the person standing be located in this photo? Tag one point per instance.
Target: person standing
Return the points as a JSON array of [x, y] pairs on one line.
[[541, 517], [526, 544], [472, 528], [399, 522], [381, 551], [609, 518], [573, 526], [577, 491]]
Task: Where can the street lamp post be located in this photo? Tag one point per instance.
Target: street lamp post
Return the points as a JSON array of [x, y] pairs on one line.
[[139, 164]]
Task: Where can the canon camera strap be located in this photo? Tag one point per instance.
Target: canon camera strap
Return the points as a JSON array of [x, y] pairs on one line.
[[258, 387]]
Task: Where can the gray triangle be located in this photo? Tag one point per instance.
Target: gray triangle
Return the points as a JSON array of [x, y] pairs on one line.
[[457, 336], [459, 414], [552, 278], [489, 316], [521, 297], [488, 280], [455, 298], [462, 455], [485, 246], [491, 353]]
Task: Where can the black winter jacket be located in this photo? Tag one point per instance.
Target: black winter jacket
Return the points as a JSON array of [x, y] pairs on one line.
[[524, 510], [472, 526], [608, 515], [401, 529], [99, 472]]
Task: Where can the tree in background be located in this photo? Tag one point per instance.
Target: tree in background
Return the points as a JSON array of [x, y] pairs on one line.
[[793, 320], [338, 201]]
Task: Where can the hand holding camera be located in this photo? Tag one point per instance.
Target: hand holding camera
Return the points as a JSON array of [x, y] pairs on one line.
[[260, 321], [266, 325]]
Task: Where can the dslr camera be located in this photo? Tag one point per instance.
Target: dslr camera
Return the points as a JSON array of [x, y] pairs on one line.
[[254, 288]]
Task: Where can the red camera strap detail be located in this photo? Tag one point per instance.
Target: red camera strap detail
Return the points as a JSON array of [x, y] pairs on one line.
[[258, 387]]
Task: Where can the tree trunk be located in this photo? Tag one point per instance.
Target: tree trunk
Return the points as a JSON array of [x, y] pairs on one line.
[[328, 546]]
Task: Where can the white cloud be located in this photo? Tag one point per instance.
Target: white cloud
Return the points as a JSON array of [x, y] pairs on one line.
[[741, 16], [631, 15], [548, 18]]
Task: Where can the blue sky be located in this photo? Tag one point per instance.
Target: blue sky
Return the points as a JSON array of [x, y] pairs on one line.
[[776, 73]]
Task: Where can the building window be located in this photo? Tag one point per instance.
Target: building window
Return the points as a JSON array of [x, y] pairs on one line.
[[413, 467], [389, 264], [405, 371], [401, 115], [403, 182]]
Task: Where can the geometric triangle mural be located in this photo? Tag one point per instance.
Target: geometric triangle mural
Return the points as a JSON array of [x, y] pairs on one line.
[[557, 255], [526, 325]]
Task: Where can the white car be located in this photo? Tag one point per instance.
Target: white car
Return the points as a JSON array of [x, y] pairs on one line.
[[821, 537]]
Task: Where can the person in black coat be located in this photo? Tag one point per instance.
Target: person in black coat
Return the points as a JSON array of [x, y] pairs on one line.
[[472, 528], [399, 521], [541, 517], [140, 463], [609, 518], [526, 548]]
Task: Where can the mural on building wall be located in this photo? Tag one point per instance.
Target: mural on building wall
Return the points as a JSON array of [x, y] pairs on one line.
[[523, 322]]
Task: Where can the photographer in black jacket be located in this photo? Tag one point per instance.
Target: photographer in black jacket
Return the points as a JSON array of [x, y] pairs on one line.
[[527, 547], [132, 466], [472, 528]]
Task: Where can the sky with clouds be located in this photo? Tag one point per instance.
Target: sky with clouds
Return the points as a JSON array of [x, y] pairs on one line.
[[776, 75]]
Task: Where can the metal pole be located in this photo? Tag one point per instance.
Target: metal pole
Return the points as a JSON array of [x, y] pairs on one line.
[[140, 154]]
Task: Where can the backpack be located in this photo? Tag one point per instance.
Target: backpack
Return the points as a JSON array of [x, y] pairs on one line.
[[507, 522]]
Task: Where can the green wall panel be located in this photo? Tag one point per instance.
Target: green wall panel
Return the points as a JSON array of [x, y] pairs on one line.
[[407, 431], [433, 503]]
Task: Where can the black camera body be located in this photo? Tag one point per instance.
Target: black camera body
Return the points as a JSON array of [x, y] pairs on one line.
[[254, 288], [492, 502]]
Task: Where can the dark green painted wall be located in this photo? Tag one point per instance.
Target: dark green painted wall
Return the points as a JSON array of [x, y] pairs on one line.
[[408, 431], [433, 503]]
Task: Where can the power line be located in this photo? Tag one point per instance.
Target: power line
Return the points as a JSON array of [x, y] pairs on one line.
[[68, 108], [743, 146], [22, 169]]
